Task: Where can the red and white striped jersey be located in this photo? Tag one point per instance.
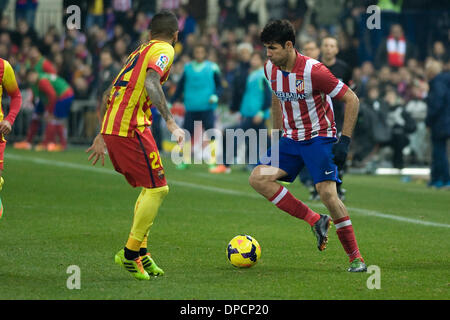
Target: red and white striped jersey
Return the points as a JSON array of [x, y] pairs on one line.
[[305, 97]]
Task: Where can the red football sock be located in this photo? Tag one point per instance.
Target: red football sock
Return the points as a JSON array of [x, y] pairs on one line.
[[32, 131], [49, 135], [285, 201], [61, 133], [346, 235]]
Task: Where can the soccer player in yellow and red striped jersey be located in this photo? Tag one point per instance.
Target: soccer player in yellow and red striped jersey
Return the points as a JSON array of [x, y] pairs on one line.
[[125, 133], [9, 83]]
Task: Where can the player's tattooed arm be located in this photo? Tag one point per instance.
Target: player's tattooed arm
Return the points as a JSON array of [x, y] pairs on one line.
[[156, 94], [351, 112], [104, 103], [98, 147]]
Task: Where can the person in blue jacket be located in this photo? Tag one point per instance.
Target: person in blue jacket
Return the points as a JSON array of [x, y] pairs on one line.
[[200, 86], [438, 121], [254, 110]]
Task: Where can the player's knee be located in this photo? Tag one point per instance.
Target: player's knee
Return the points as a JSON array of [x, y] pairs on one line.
[[253, 180], [165, 191], [256, 179], [259, 178], [160, 192], [327, 194]]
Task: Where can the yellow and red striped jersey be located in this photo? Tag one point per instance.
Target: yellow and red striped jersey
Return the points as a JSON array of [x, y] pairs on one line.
[[128, 105], [9, 83]]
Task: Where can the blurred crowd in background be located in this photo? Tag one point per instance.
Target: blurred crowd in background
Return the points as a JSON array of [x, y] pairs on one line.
[[390, 68]]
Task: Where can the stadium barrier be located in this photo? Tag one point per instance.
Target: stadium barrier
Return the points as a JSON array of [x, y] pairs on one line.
[[82, 123]]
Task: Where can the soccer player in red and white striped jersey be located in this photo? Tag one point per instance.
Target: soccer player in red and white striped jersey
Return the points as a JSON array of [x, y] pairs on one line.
[[302, 108]]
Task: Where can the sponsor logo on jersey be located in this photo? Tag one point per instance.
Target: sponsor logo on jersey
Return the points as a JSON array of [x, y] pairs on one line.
[[289, 96]]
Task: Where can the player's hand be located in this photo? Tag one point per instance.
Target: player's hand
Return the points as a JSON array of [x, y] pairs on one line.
[[276, 133], [177, 132], [5, 127], [98, 149], [340, 151], [257, 119], [213, 99], [48, 116]]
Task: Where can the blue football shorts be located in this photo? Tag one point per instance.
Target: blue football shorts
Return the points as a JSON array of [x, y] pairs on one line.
[[62, 107], [316, 154]]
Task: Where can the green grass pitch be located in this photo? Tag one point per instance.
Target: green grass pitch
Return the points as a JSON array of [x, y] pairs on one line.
[[61, 211]]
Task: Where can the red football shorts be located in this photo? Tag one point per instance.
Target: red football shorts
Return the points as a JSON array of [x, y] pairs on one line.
[[137, 158], [2, 153]]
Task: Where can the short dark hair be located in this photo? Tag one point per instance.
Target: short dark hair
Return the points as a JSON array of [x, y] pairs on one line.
[[164, 23], [278, 31], [107, 51], [37, 46], [310, 41], [200, 45], [30, 71], [259, 54], [329, 37]]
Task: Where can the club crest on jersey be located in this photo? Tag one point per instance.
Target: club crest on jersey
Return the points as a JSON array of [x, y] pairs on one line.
[[299, 85]]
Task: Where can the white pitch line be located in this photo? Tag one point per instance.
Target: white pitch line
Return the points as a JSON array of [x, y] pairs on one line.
[[71, 165]]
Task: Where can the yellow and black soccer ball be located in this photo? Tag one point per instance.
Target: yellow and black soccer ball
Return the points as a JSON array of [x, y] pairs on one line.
[[243, 251]]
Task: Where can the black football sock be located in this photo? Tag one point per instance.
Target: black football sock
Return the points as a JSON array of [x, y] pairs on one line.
[[142, 251], [130, 254]]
